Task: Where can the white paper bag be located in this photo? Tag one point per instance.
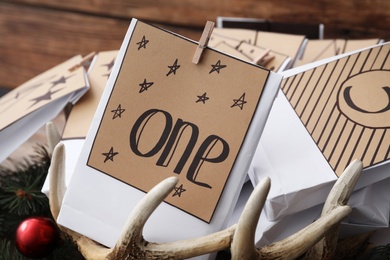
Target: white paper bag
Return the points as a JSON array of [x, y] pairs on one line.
[[370, 212], [81, 114], [31, 105], [96, 204], [314, 99]]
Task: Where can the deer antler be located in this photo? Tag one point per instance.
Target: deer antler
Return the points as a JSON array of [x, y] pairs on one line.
[[244, 237], [52, 135], [132, 245], [324, 229], [339, 195], [239, 237]]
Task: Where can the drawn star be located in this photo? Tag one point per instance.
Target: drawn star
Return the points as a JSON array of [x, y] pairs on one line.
[[142, 43], [173, 68], [46, 96], [109, 65], [145, 85], [7, 101], [239, 102], [110, 155], [178, 191], [106, 75], [61, 80], [118, 112], [202, 98], [217, 67], [11, 96], [27, 89]]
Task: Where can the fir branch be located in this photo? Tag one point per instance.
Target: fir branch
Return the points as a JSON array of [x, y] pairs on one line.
[[20, 192], [8, 251], [23, 201], [20, 198], [380, 252], [36, 166], [67, 250], [9, 224]]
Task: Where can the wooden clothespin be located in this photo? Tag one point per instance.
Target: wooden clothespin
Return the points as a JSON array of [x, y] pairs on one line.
[[204, 39], [266, 60], [263, 58], [83, 61]]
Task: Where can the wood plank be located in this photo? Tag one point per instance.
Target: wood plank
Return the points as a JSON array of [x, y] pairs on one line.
[[34, 39], [352, 19], [37, 34]]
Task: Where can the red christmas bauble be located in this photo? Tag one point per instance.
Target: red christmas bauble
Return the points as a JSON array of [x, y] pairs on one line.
[[36, 237]]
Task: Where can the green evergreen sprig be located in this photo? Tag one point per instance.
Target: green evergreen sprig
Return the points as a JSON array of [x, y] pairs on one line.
[[20, 198], [380, 252]]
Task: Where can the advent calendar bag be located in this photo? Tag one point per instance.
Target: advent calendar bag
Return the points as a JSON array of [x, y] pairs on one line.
[[327, 114], [81, 113], [160, 116], [31, 105]]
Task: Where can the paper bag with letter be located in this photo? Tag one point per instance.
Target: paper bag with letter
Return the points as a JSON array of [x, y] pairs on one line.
[[327, 114], [162, 115]]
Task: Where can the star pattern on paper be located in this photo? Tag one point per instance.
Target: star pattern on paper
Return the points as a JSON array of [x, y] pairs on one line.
[[27, 89], [109, 67], [32, 87], [107, 75], [145, 85], [44, 97], [203, 98], [8, 98], [178, 191], [118, 112], [142, 43], [217, 67], [240, 102], [110, 155], [173, 68], [7, 101], [61, 80]]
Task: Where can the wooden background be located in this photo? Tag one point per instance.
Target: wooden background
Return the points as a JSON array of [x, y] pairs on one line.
[[38, 34]]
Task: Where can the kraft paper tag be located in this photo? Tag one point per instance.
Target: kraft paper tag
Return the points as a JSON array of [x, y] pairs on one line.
[[169, 117], [345, 107], [81, 115], [40, 91]]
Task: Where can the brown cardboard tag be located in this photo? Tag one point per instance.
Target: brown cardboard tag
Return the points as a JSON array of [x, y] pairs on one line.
[[169, 117], [320, 49], [345, 106], [276, 42], [41, 90], [278, 62], [81, 115]]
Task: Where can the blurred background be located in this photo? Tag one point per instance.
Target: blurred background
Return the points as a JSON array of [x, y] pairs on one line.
[[35, 35]]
